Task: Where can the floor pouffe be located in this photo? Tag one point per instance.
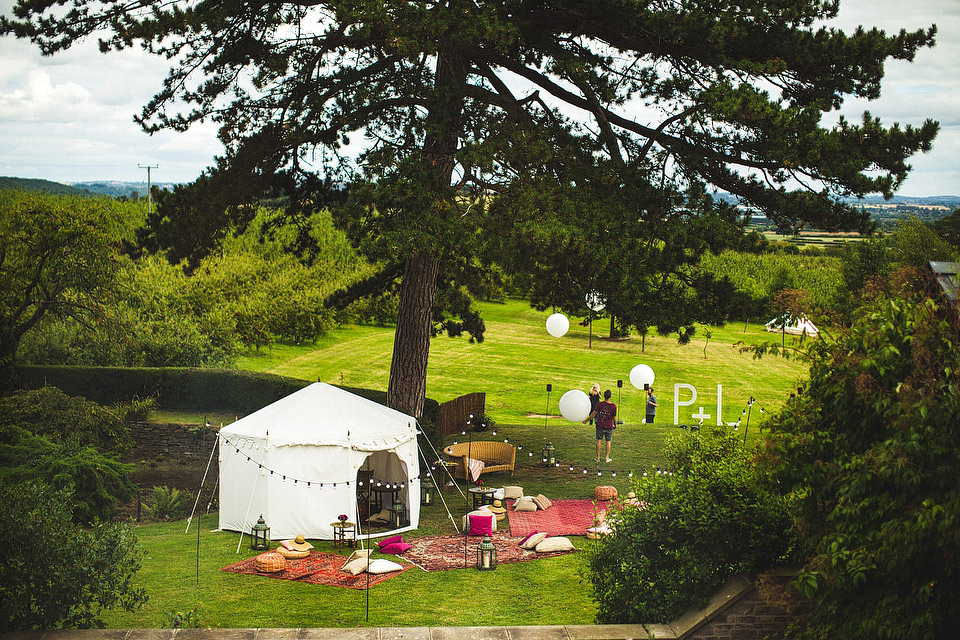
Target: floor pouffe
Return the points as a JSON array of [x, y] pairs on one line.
[[270, 562], [605, 492]]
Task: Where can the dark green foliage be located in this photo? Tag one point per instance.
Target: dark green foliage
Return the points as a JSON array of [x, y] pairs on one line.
[[168, 502], [69, 443], [192, 619], [181, 389], [948, 228], [43, 186], [50, 412], [59, 258], [57, 574], [915, 244], [173, 388], [870, 453], [711, 519]]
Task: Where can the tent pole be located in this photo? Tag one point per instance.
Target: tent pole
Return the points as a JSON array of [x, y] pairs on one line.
[[246, 517], [197, 501], [449, 475], [440, 493]]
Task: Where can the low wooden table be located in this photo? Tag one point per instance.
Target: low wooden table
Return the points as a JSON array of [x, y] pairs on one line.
[[344, 534], [481, 495]]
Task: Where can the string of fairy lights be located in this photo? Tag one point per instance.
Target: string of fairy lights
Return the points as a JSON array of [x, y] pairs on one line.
[[381, 484]]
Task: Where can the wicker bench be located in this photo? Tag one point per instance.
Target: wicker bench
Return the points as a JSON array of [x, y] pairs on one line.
[[496, 456]]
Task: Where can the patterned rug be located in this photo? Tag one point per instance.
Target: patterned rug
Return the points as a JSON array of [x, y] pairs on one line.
[[319, 568], [563, 518], [439, 553]]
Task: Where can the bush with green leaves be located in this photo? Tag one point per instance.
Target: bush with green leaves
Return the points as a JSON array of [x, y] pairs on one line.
[[711, 517], [168, 502], [51, 412], [62, 575], [69, 443], [192, 619], [870, 450]]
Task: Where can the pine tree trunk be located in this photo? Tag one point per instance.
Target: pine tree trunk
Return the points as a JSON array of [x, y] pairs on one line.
[[411, 343]]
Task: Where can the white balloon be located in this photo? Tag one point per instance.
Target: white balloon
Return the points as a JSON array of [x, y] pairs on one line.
[[640, 375], [574, 405], [557, 325]]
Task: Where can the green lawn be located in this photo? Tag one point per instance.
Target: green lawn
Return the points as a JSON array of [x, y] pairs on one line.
[[519, 358], [523, 593], [512, 366]]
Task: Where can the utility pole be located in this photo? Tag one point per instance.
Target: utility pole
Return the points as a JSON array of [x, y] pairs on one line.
[[148, 167]]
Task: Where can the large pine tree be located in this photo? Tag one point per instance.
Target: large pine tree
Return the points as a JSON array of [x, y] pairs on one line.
[[568, 112]]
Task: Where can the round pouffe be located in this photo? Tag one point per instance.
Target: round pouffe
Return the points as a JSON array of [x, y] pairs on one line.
[[605, 492], [292, 554], [270, 562]]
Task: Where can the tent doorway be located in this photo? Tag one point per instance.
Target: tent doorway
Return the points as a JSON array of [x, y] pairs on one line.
[[383, 491]]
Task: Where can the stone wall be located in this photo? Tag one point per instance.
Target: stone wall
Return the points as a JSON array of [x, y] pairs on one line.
[[744, 609], [171, 441]]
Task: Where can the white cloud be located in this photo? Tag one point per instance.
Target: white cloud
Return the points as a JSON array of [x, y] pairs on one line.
[[40, 100]]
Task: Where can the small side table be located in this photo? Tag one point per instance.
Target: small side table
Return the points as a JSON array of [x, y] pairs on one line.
[[378, 497], [446, 475], [344, 534], [481, 496]]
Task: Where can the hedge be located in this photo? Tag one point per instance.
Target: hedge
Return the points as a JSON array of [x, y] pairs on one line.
[[179, 389]]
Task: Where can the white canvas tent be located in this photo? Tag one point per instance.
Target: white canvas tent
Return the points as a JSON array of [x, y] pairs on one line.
[[297, 462], [797, 326]]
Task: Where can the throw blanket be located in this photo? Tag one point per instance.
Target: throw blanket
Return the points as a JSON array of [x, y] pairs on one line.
[[563, 518], [318, 568], [438, 553], [476, 468]]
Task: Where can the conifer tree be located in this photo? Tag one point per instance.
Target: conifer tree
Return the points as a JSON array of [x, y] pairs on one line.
[[543, 108]]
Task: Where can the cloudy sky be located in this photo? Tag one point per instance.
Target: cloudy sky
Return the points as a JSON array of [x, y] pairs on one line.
[[69, 117]]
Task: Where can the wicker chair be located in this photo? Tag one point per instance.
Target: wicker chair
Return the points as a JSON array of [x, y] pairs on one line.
[[496, 456]]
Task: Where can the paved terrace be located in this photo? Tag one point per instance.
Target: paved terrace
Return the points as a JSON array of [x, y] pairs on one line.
[[559, 632]]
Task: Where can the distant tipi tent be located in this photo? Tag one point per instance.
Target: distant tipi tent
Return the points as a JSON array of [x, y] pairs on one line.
[[796, 325]]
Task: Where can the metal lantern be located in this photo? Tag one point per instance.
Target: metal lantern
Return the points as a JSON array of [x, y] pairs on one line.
[[260, 535], [426, 490], [549, 454], [486, 555], [397, 519]]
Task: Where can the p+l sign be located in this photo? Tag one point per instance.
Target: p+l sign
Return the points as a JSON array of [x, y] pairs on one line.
[[677, 403]]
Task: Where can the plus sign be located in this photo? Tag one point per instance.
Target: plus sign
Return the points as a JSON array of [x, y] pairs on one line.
[[701, 416]]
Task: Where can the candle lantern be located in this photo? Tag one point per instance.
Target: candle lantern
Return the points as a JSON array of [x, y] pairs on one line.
[[549, 454], [397, 519], [260, 535], [426, 490], [486, 555]]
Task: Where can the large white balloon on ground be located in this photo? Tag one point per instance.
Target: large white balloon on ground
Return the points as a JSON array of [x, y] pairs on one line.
[[641, 375], [557, 325], [574, 405]]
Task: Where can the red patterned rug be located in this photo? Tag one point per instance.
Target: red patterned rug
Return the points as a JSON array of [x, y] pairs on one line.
[[319, 568], [439, 553], [563, 518]]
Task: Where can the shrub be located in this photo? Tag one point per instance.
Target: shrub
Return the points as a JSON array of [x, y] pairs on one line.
[[709, 520], [192, 619], [62, 576], [50, 412], [69, 443], [168, 502], [871, 450]]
